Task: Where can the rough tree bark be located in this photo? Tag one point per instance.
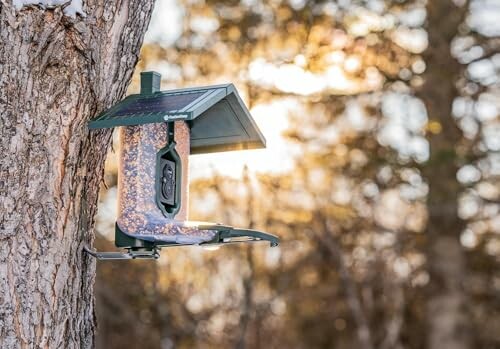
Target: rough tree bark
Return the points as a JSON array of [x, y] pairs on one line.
[[446, 300], [56, 72]]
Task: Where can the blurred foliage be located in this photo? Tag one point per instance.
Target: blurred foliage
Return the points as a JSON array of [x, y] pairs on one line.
[[394, 106]]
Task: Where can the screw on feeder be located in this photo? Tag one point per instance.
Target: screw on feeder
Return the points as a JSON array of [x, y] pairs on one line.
[[159, 130]]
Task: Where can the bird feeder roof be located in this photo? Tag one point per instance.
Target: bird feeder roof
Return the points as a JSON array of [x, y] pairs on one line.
[[218, 118]]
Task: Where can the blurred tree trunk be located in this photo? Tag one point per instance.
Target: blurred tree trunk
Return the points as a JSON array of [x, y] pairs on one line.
[[248, 280], [363, 331], [56, 72], [446, 303]]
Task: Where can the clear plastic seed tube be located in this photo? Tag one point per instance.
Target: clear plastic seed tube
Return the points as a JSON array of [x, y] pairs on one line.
[[138, 213]]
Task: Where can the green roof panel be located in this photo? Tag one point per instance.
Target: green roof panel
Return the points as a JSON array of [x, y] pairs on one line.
[[218, 118]]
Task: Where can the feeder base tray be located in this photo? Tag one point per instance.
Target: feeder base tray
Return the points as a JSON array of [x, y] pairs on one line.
[[143, 246]]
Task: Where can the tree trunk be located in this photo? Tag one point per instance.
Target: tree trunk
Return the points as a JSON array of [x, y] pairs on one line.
[[326, 237], [248, 280], [56, 72], [446, 303]]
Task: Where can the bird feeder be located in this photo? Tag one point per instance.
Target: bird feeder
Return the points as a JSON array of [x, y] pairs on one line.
[[158, 132]]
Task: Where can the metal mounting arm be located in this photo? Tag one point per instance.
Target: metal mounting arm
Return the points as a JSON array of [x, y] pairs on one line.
[[130, 254]]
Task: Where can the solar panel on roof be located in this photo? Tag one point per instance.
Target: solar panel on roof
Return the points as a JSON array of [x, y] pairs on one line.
[[218, 118], [156, 104]]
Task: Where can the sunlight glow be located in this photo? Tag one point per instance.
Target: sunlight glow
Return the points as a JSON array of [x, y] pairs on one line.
[[165, 26], [272, 120], [213, 247], [291, 78], [413, 40]]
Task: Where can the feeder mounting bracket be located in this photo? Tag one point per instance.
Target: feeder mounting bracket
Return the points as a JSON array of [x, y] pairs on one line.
[[153, 253]]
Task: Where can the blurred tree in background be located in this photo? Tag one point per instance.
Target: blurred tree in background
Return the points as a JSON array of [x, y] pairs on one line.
[[390, 217]]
